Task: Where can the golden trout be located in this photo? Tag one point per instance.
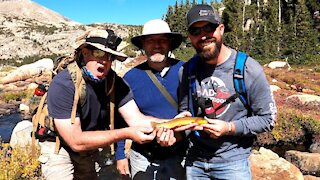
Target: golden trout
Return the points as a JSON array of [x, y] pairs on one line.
[[179, 122]]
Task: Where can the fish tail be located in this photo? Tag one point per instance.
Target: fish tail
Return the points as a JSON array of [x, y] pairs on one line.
[[154, 124]]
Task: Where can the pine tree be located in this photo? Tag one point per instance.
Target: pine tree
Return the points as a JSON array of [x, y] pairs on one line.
[[187, 6], [277, 28], [306, 38], [194, 2], [215, 4], [267, 43], [314, 10], [169, 16], [300, 39], [232, 19], [259, 36]]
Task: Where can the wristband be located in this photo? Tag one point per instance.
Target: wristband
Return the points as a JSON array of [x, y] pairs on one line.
[[229, 128]]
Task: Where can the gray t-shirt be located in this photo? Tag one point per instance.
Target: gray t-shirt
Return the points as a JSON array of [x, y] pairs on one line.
[[216, 84]]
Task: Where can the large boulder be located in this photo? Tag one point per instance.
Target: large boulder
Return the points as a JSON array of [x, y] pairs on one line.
[[29, 70], [309, 177], [266, 164], [308, 163], [305, 99], [274, 88], [278, 64]]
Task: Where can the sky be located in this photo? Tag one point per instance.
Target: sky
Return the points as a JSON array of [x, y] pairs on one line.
[[129, 12]]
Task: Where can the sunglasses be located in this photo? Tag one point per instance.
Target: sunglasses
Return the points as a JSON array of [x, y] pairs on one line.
[[97, 53], [209, 28]]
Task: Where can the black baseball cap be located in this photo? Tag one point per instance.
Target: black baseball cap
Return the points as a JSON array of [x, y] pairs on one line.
[[203, 12]]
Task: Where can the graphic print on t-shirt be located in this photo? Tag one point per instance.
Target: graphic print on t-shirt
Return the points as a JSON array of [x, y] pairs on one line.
[[214, 89]]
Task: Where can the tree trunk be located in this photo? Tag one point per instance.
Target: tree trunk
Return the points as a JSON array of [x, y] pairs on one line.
[[279, 25], [243, 14]]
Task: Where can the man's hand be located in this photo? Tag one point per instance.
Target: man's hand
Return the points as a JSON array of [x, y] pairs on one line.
[[141, 135], [183, 114], [165, 137], [217, 128], [123, 167]]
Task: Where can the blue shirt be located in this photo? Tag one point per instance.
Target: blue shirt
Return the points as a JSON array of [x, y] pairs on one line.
[[149, 98]]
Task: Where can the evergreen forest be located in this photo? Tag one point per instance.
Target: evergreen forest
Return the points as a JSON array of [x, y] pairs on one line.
[[265, 29]]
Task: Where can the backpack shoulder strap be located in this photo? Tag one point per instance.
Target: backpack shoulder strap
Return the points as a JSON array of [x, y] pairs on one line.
[[162, 89], [80, 87], [35, 121], [110, 91], [110, 82], [238, 77], [191, 70]]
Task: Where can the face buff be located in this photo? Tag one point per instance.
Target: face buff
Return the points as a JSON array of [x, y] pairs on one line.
[[88, 75]]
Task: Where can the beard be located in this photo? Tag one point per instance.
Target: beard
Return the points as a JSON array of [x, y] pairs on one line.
[[157, 58], [209, 51]]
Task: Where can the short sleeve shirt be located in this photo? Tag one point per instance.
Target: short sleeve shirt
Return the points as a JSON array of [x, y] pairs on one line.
[[95, 110]]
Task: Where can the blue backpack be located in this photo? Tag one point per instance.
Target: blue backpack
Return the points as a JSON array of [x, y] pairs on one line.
[[238, 81]]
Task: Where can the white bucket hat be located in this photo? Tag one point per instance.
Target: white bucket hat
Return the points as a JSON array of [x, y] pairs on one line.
[[157, 26], [105, 40]]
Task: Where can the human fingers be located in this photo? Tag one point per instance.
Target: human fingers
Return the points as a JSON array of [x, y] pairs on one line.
[[160, 132], [127, 171], [146, 130], [166, 138], [192, 126], [215, 130], [160, 135], [210, 121], [214, 136], [164, 135], [152, 135], [146, 137], [172, 138], [123, 167], [183, 114]]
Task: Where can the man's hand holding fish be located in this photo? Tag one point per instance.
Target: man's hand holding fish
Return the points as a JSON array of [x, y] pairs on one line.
[[183, 121], [166, 137], [217, 128]]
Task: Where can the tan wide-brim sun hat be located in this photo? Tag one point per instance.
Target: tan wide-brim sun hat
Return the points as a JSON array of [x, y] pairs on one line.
[[154, 27], [104, 40]]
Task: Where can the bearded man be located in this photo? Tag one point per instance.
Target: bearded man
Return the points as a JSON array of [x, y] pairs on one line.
[[220, 148]]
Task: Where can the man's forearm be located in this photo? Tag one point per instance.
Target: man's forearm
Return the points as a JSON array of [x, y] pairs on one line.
[[132, 115]]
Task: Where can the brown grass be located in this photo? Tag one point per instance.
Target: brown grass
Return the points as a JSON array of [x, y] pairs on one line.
[[296, 79]]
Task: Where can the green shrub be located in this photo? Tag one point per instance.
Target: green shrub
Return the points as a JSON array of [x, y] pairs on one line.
[[7, 68], [18, 163], [184, 54], [15, 95], [293, 125], [130, 50]]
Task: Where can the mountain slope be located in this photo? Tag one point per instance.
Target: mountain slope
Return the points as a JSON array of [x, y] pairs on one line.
[[28, 29], [32, 10]]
